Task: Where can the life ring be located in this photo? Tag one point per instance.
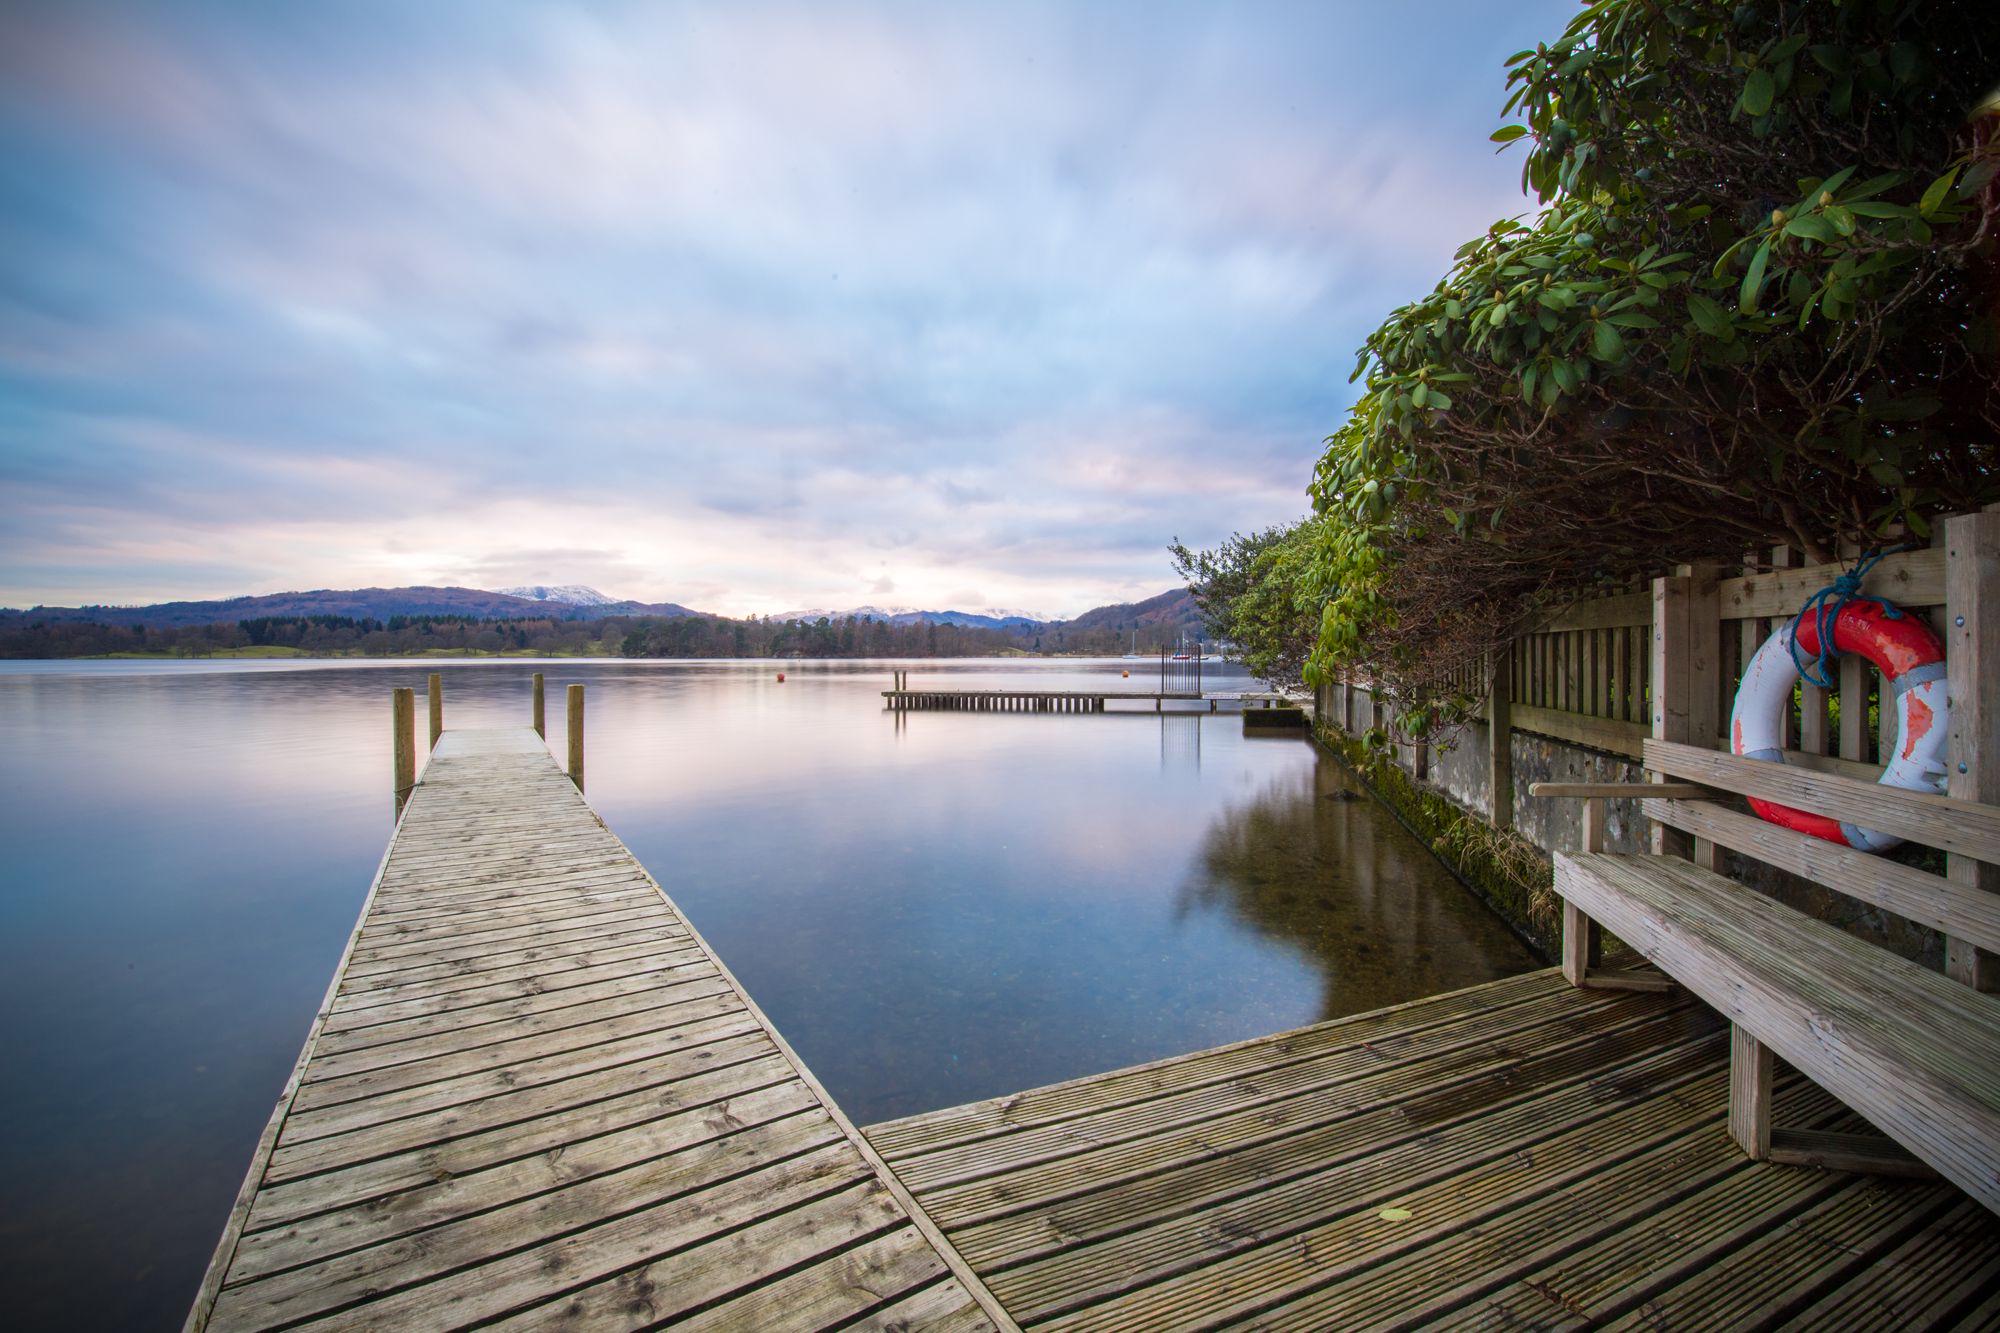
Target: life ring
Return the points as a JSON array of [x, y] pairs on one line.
[[1912, 662]]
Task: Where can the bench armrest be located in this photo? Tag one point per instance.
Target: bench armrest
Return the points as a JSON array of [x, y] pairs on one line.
[[1591, 791], [1595, 794]]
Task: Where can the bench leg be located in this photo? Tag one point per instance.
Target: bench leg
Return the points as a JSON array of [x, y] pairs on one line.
[[1581, 947], [1583, 958], [1750, 1072], [1751, 1069]]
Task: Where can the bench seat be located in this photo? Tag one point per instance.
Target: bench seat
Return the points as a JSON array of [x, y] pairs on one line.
[[1915, 1053]]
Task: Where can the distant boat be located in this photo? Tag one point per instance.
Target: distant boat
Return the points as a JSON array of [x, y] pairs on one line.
[[1133, 655]]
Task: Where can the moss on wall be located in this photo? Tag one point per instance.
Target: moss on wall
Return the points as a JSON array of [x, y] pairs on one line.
[[1509, 873]]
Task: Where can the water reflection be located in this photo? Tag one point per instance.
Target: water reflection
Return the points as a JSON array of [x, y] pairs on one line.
[[1312, 863], [1180, 740], [933, 907]]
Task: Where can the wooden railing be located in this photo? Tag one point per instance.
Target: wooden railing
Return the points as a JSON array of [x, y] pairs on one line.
[[1584, 675]]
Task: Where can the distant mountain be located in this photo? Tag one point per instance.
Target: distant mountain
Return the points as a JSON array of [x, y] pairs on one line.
[[1171, 611], [904, 615], [1157, 619], [569, 594], [357, 603]]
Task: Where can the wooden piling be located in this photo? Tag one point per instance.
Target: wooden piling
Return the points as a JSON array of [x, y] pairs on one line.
[[540, 721], [403, 728], [1500, 738], [1972, 639], [436, 691], [575, 727]]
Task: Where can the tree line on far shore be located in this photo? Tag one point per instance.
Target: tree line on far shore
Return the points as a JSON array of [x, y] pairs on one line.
[[614, 636]]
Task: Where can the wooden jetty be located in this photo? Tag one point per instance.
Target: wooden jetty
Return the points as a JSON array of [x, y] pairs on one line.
[[534, 1096], [1519, 1155]]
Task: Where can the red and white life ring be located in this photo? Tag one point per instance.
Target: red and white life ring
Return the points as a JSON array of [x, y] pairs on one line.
[[1912, 661]]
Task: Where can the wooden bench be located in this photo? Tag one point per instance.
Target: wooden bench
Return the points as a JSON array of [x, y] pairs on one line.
[[1915, 1052]]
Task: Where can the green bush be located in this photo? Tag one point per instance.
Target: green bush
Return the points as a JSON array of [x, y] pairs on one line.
[[1754, 310]]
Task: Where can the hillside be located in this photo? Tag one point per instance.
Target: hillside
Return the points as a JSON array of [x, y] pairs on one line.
[[355, 603], [389, 621], [1172, 611]]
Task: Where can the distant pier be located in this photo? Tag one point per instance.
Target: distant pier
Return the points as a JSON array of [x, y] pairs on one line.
[[903, 699]]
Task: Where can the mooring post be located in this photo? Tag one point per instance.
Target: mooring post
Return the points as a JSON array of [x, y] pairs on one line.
[[437, 708], [539, 719], [403, 728], [576, 735]]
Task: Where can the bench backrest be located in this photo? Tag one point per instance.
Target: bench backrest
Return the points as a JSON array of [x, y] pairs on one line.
[[1706, 628]]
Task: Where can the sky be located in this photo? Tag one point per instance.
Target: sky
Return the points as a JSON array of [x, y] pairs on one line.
[[742, 306]]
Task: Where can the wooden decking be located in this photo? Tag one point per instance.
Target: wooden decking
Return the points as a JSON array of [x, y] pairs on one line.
[[1518, 1155], [534, 1096]]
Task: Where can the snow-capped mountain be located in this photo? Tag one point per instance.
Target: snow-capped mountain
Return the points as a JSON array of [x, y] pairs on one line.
[[569, 594], [905, 615]]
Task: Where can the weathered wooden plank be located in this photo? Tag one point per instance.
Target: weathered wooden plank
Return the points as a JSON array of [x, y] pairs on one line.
[[1955, 825], [533, 960], [417, 1261], [1072, 1152], [1622, 609], [1442, 1271], [840, 1288], [396, 1154], [531, 1080], [1933, 1279], [1905, 1047], [449, 1047], [396, 966], [1908, 578], [549, 985], [1615, 1151], [1053, 1180], [1751, 1072], [1599, 733], [1771, 1275], [1500, 738], [1153, 1224], [1601, 1158], [1905, 890], [953, 1126], [1972, 644], [338, 1105]]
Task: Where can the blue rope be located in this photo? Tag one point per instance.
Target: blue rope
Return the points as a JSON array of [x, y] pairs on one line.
[[1825, 607]]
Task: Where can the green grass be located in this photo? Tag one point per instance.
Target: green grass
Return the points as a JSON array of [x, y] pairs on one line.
[[250, 650]]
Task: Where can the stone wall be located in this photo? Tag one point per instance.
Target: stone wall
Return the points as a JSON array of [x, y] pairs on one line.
[[1459, 770]]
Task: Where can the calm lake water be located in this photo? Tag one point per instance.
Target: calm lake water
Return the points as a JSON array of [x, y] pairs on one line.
[[933, 908]]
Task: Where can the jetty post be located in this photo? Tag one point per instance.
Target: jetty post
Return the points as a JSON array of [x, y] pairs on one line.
[[403, 726], [575, 726], [539, 721], [437, 708]]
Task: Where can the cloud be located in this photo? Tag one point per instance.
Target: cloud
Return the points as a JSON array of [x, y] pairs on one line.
[[722, 306]]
